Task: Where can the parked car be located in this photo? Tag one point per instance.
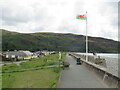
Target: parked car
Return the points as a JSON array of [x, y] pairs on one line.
[[79, 62]]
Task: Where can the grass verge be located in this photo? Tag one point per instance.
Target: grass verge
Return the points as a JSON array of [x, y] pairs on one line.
[[35, 62], [43, 78]]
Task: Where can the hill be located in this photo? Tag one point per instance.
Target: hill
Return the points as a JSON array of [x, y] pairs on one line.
[[55, 42]]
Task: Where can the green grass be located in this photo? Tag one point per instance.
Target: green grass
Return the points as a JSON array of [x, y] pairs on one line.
[[43, 78], [36, 62]]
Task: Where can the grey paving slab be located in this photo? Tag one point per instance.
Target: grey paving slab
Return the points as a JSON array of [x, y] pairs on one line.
[[78, 76]]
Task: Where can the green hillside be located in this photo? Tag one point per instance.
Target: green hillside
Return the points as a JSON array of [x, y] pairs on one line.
[[55, 42]]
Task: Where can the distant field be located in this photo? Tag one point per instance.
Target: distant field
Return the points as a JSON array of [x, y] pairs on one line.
[[42, 78]]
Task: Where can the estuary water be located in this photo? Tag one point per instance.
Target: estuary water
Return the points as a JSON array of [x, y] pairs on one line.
[[112, 60]]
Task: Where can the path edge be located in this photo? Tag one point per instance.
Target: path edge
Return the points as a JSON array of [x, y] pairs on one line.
[[59, 78]]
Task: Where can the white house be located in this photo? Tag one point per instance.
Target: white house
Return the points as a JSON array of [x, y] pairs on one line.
[[18, 54]]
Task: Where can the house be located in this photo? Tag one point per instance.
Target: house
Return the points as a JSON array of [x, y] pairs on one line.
[[34, 55], [39, 54], [16, 55], [45, 52], [52, 52]]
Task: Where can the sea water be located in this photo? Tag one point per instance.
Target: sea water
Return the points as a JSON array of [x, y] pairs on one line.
[[111, 61]]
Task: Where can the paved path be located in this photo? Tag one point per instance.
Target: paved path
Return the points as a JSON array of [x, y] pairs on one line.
[[33, 68], [78, 76]]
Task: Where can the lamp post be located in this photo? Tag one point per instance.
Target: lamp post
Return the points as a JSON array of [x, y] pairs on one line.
[[59, 55]]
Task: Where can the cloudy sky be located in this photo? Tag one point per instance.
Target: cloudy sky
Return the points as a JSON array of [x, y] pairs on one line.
[[59, 16]]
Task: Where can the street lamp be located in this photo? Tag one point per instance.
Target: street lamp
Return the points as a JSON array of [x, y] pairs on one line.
[[59, 55]]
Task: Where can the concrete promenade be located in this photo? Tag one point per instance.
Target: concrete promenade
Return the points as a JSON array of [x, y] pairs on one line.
[[78, 76]]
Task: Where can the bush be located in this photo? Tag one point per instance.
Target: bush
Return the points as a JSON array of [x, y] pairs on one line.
[[56, 69]]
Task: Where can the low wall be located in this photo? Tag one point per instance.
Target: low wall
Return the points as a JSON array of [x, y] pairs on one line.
[[92, 59], [109, 78]]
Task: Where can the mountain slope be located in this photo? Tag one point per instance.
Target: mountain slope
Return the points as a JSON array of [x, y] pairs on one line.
[[56, 42]]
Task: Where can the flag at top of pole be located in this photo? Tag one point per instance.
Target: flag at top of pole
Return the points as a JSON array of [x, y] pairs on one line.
[[81, 17], [84, 17]]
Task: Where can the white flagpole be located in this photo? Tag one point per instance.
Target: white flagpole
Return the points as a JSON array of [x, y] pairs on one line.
[[86, 39]]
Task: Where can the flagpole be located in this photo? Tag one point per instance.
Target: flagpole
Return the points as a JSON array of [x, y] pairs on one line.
[[86, 39]]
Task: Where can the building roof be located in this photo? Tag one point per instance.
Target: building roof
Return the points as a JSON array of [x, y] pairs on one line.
[[19, 53]]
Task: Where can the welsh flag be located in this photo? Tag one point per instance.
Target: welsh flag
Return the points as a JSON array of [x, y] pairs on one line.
[[81, 17]]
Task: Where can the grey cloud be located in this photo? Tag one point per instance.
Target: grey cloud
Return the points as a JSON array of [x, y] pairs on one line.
[[40, 15], [114, 22], [65, 27], [79, 7], [38, 29], [12, 16], [109, 34], [114, 6]]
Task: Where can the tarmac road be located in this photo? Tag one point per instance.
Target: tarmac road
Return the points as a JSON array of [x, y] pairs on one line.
[[78, 76]]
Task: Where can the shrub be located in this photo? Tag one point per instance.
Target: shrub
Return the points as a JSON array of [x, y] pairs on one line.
[[56, 69]]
